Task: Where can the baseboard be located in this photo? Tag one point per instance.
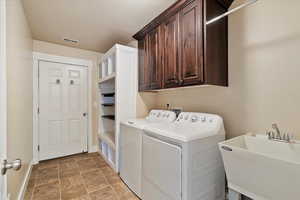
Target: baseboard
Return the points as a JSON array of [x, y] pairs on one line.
[[35, 161], [94, 149], [25, 182]]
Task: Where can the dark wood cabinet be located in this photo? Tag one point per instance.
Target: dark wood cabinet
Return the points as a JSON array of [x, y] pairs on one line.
[[144, 73], [170, 51], [154, 59], [177, 48], [191, 43]]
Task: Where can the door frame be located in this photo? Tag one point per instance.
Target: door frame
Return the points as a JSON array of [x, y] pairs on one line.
[[3, 91], [65, 60]]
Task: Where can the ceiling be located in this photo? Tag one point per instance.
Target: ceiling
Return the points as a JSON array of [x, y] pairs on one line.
[[97, 24]]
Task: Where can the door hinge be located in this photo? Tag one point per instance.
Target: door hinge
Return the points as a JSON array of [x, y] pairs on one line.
[[38, 110], [38, 147]]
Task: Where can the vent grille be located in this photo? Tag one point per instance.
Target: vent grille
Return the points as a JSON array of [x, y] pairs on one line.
[[71, 40]]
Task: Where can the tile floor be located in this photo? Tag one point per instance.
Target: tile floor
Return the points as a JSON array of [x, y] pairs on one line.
[[77, 177]]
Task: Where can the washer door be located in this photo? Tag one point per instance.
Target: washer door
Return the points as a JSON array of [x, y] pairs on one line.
[[161, 170]]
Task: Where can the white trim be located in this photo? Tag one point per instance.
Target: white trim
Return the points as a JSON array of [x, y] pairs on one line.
[[94, 149], [67, 60], [3, 92], [25, 182], [107, 161]]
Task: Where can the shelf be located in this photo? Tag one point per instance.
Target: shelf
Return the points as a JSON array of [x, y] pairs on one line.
[[112, 165], [107, 78], [108, 138], [111, 117], [108, 104], [111, 94]]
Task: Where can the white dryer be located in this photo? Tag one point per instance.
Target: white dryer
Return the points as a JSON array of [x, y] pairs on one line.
[[131, 146], [181, 160]]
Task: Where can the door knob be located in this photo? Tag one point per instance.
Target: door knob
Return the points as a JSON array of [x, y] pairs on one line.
[[84, 114], [15, 165]]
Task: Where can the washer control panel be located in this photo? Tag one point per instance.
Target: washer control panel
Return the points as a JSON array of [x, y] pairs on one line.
[[161, 115], [196, 118]]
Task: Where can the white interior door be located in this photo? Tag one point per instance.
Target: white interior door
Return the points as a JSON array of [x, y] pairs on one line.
[[63, 124], [3, 95]]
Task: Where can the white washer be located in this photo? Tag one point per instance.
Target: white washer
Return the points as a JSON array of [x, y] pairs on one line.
[[131, 146], [181, 160]]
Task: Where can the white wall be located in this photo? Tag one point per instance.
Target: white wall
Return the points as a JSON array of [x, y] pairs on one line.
[[264, 68], [19, 91], [60, 50], [145, 100]]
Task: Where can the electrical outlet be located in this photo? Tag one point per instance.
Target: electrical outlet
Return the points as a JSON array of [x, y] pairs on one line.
[[168, 106]]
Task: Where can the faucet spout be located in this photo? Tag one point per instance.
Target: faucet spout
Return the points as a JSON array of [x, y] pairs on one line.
[[278, 134]]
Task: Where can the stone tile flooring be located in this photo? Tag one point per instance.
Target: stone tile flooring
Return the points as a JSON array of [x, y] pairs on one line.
[[77, 177]]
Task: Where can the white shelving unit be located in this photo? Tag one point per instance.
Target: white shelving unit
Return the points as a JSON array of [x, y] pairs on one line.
[[117, 98]]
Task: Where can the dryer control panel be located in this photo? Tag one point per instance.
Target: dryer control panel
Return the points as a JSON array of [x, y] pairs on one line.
[[161, 115]]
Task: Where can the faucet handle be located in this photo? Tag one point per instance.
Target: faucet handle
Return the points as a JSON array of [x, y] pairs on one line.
[[269, 134], [279, 136], [292, 137], [288, 137], [284, 136], [272, 135]]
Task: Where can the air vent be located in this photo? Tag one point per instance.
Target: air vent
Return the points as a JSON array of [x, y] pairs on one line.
[[71, 40]]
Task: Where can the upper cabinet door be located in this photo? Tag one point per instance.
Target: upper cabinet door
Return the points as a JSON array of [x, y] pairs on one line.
[[191, 43], [144, 71], [154, 60], [171, 68], [180, 50]]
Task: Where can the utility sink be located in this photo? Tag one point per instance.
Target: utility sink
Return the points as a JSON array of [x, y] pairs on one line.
[[262, 169]]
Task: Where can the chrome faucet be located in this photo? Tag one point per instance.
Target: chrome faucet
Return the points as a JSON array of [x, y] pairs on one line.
[[278, 136]]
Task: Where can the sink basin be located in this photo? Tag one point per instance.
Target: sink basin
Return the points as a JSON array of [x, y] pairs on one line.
[[262, 169]]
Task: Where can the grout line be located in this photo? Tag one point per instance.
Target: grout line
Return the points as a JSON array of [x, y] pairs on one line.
[[83, 181], [114, 192], [59, 177], [110, 185]]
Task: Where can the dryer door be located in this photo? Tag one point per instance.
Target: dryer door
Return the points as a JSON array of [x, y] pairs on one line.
[[161, 170], [130, 157]]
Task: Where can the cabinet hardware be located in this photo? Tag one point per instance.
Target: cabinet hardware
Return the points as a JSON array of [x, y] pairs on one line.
[[226, 148]]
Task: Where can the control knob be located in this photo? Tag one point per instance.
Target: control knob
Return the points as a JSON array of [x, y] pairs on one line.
[[194, 118]]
